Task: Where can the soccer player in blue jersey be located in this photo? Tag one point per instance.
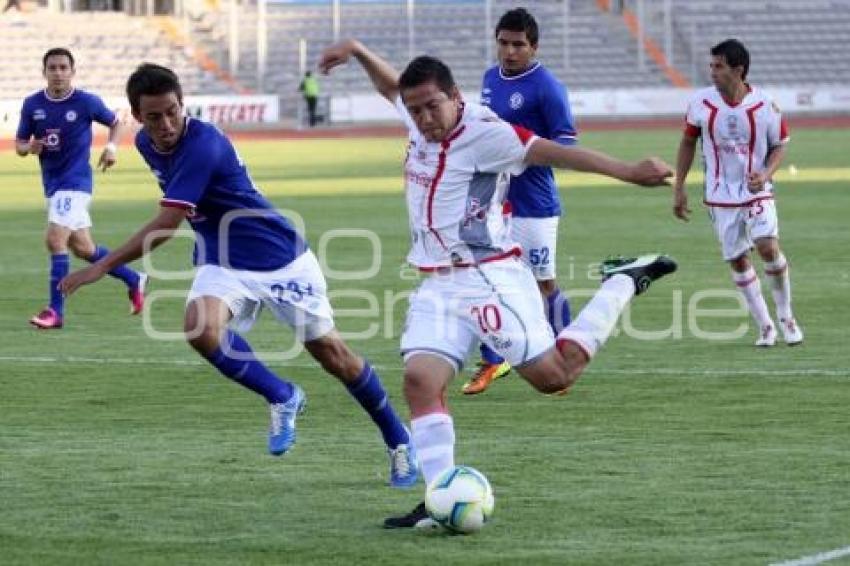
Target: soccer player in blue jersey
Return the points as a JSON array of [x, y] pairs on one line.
[[56, 125], [249, 257], [522, 91]]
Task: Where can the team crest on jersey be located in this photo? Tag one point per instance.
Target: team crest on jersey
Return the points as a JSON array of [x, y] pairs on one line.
[[70, 115], [39, 114], [516, 100]]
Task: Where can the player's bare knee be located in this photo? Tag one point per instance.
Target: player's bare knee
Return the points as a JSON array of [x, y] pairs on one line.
[[56, 243], [336, 358], [204, 340], [83, 250], [740, 264], [768, 249]]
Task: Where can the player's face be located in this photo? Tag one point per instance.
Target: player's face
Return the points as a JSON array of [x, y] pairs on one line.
[[434, 112], [514, 50], [162, 117], [723, 76], [58, 71]]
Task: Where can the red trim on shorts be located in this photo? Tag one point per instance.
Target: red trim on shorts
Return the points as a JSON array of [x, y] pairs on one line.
[[712, 116], [751, 118], [513, 252], [432, 190], [737, 204]]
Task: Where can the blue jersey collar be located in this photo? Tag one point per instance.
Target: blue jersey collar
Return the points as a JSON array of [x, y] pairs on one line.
[[525, 73]]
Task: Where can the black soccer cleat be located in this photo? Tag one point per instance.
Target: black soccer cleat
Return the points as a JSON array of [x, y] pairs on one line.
[[416, 519], [642, 269]]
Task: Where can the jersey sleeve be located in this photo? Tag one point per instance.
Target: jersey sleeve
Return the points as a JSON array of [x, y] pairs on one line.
[[777, 129], [501, 147], [558, 115], [693, 119], [192, 173], [100, 113], [25, 125]]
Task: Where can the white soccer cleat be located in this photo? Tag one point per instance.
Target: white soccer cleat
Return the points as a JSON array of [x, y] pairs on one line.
[[767, 337], [791, 331]]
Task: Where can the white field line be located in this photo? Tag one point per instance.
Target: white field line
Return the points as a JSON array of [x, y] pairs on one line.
[[816, 558], [304, 363]]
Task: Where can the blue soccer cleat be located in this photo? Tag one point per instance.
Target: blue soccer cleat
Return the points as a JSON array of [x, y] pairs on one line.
[[282, 429], [404, 471]]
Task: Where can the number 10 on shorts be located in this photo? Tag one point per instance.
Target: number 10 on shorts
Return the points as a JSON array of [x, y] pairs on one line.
[[489, 318]]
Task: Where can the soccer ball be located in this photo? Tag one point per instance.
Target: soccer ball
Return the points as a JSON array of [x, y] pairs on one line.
[[460, 499]]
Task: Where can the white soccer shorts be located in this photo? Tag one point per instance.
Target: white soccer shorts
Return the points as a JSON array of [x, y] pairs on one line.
[[737, 228], [296, 294], [497, 303], [539, 240], [69, 209]]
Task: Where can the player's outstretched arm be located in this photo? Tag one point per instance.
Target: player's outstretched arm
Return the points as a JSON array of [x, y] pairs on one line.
[[382, 74], [684, 159], [650, 172], [154, 233]]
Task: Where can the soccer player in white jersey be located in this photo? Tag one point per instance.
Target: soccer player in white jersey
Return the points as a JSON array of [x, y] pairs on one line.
[[743, 143], [475, 287]]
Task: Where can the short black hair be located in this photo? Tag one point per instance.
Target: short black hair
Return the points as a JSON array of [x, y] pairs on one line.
[[519, 19], [426, 69], [735, 53], [152, 79], [54, 51]]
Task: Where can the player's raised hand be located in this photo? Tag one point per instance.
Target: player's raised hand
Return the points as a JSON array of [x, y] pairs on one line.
[[680, 204], [77, 279], [337, 54], [107, 159], [651, 172]]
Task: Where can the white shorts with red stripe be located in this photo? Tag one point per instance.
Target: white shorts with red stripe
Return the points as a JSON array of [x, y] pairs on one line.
[[296, 294], [738, 227], [496, 303]]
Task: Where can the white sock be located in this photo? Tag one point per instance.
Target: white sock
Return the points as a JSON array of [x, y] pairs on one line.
[[780, 285], [593, 325], [434, 441], [749, 285]]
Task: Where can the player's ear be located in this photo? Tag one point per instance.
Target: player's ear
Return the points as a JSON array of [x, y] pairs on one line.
[[455, 94]]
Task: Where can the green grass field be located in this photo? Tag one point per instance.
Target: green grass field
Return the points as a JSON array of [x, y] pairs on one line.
[[119, 449]]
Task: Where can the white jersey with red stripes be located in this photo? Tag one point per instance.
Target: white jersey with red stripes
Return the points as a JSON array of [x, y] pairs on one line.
[[456, 188], [736, 140]]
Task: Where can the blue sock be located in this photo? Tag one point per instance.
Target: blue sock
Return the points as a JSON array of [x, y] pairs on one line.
[[371, 395], [59, 266], [239, 364], [122, 272], [489, 356], [558, 311]]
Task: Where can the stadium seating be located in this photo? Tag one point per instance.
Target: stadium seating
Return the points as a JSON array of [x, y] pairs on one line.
[[792, 42], [106, 45]]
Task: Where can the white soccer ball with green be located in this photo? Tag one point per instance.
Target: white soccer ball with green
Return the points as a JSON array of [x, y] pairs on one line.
[[460, 499]]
